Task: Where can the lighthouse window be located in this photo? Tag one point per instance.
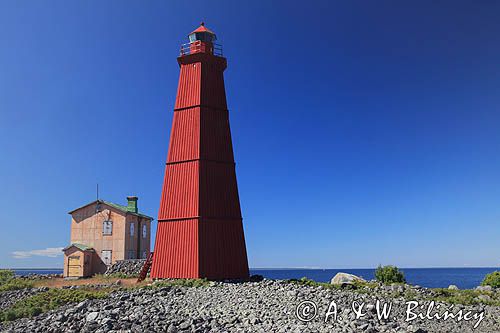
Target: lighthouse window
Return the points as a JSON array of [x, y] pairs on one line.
[[132, 229], [144, 231], [107, 228], [200, 36]]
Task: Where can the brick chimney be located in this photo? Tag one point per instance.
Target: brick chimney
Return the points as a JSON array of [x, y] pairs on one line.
[[132, 204]]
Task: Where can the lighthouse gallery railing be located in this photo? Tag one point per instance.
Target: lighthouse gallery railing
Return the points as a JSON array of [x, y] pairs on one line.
[[198, 46]]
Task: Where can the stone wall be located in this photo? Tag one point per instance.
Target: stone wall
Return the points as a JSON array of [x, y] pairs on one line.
[[128, 267]]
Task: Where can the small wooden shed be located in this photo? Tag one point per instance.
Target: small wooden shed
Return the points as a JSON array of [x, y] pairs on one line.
[[78, 260]]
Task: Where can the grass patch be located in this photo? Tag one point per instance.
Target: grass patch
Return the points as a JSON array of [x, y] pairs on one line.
[[116, 276], [8, 282], [465, 297], [190, 283], [311, 283], [47, 301]]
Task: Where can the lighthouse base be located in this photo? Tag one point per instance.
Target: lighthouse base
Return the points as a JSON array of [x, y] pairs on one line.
[[200, 248]]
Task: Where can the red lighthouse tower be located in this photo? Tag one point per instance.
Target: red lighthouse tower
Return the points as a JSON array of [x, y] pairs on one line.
[[200, 230]]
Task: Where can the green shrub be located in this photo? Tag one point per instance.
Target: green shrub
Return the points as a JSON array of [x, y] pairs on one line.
[[389, 274], [6, 275], [492, 279], [8, 282], [48, 300], [15, 284]]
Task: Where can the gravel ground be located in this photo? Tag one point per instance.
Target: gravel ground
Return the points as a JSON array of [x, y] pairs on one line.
[[266, 306]]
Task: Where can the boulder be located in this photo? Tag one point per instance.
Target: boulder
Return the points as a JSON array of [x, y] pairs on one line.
[[452, 287], [484, 298], [484, 288], [345, 278], [92, 316], [256, 278]]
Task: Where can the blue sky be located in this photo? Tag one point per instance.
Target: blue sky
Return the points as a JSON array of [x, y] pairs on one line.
[[365, 133]]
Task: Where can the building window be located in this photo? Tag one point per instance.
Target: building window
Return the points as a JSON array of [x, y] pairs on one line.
[[106, 256], [131, 254], [144, 231], [107, 228], [144, 254], [132, 228]]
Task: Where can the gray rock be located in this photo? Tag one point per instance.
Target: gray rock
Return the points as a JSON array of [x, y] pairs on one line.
[[452, 287], [345, 278], [92, 316], [484, 288]]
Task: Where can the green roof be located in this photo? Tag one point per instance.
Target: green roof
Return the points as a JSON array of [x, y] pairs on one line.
[[124, 209], [79, 246], [116, 206]]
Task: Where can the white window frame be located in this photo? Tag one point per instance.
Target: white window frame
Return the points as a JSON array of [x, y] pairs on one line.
[[144, 231], [110, 257], [132, 229], [107, 228]]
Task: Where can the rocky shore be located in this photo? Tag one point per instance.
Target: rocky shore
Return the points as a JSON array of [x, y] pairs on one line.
[[266, 306]]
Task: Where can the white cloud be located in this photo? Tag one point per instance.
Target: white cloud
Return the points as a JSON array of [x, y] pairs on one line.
[[51, 252]]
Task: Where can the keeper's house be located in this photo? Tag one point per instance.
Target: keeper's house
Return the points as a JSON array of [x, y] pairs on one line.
[[103, 232]]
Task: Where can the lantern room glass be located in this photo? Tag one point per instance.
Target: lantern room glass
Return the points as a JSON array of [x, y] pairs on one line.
[[202, 36]]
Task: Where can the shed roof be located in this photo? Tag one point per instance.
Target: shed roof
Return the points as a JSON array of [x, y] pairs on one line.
[[114, 205], [79, 246]]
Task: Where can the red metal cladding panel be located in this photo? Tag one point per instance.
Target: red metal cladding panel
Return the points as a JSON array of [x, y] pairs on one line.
[[180, 195], [222, 249], [213, 92], [185, 136], [215, 135], [218, 190], [189, 89], [176, 250]]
